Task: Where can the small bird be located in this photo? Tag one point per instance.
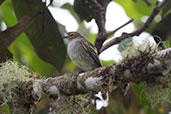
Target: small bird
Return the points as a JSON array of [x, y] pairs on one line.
[[82, 52], [85, 56]]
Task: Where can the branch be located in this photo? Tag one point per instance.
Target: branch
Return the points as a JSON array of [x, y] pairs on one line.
[[19, 87], [110, 75], [99, 16], [137, 32], [112, 32], [8, 36]]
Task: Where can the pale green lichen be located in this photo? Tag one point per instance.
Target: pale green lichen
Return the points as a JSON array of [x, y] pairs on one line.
[[12, 76], [78, 104], [135, 58], [157, 94], [160, 90], [134, 51]]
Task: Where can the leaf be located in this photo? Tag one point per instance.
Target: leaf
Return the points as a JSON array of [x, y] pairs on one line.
[[137, 9], [163, 28], [8, 36], [167, 44], [1, 1], [21, 49], [8, 13], [48, 42], [166, 10], [107, 63], [84, 11], [138, 88], [24, 53]]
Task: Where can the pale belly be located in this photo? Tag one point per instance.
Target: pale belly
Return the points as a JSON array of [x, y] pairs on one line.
[[78, 55]]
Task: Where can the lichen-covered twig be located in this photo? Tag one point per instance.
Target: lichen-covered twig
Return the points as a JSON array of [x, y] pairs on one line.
[[138, 31]]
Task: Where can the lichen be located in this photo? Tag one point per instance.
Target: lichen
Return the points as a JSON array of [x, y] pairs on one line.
[[12, 77], [77, 104], [160, 90], [92, 82], [136, 51], [158, 86], [157, 94]]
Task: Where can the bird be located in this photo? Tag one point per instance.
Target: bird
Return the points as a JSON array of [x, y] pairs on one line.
[[82, 52], [85, 56]]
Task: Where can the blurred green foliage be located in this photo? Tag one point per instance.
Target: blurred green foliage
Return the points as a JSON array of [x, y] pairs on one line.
[[22, 49], [43, 33], [137, 9], [32, 47]]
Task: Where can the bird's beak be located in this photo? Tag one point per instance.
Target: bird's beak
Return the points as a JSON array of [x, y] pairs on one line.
[[65, 37]]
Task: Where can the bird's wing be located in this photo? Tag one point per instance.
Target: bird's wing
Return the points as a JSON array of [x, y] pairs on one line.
[[91, 49]]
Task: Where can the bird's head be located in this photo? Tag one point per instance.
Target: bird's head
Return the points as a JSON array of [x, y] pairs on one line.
[[73, 35]]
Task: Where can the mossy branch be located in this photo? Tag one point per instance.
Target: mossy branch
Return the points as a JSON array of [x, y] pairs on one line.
[[19, 89]]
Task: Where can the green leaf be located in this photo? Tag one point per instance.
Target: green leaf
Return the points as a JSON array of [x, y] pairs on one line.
[[137, 9], [84, 11], [43, 33], [25, 54], [107, 63], [6, 109], [1, 1], [8, 13], [167, 44], [92, 38], [8, 36], [138, 88], [22, 50], [166, 10], [163, 28]]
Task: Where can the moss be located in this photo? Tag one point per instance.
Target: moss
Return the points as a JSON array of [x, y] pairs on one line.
[[12, 77], [159, 91], [157, 94], [158, 87], [78, 104]]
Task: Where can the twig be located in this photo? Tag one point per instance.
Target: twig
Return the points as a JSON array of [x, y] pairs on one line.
[[99, 14], [147, 2], [137, 32], [112, 32]]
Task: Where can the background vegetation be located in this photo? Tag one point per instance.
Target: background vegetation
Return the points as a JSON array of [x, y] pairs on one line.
[[42, 49]]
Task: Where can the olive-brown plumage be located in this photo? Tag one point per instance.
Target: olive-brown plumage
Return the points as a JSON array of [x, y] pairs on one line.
[[82, 52]]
